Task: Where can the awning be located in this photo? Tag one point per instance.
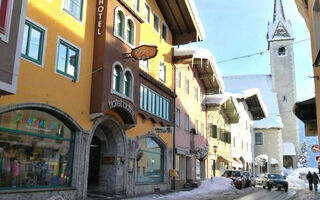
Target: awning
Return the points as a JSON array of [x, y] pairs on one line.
[[227, 159], [288, 149], [237, 163]]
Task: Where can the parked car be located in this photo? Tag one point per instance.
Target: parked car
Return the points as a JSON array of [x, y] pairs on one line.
[[258, 179], [274, 180], [239, 180], [250, 180]]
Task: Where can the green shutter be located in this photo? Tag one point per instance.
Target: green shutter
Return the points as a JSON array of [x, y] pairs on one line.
[[214, 131]]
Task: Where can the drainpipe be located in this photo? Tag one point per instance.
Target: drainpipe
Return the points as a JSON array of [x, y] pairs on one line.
[[173, 185]]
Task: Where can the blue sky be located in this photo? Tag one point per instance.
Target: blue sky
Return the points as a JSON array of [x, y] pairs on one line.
[[236, 28]]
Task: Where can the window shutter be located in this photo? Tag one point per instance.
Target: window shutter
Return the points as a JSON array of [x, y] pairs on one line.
[[214, 131]]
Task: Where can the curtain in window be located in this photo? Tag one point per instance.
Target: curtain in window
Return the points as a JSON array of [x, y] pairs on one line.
[[130, 32], [119, 24]]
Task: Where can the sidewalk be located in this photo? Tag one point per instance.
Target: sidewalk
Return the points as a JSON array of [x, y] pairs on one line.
[[306, 195]]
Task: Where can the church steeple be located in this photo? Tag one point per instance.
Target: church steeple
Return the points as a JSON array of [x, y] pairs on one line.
[[280, 28], [278, 10]]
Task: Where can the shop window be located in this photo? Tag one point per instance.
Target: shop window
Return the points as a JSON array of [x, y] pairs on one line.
[[3, 15], [117, 78], [128, 84], [74, 8], [282, 51], [162, 71], [258, 139], [68, 60], [154, 103], [136, 5], [164, 33], [146, 12], [156, 22], [150, 159], [119, 23], [130, 32], [33, 42], [36, 151]]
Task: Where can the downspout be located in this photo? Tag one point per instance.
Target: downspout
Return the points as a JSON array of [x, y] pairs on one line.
[[173, 185]]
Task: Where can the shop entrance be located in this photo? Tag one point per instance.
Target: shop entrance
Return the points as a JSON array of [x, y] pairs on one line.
[[94, 162], [107, 158]]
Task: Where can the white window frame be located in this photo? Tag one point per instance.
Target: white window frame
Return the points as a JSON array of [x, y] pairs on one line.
[[138, 5], [83, 13], [147, 5], [113, 91], [79, 59], [159, 28], [164, 78], [129, 18], [115, 19]]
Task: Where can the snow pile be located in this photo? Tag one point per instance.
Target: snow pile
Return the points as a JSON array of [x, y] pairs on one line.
[[298, 180], [287, 171], [274, 161], [208, 188], [305, 195]]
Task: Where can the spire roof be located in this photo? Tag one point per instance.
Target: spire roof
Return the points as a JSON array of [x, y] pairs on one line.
[[278, 10]]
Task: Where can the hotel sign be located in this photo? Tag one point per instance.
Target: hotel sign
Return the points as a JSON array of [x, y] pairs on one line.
[[123, 105], [100, 21]]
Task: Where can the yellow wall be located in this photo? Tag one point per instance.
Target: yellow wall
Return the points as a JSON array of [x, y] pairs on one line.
[[42, 84], [149, 35]]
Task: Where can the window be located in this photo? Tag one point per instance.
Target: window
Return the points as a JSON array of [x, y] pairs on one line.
[[130, 32], [154, 103], [164, 32], [128, 84], [213, 131], [282, 51], [150, 159], [116, 78], [74, 8], [35, 149], [177, 117], [146, 12], [156, 22], [258, 139], [186, 122], [186, 85], [119, 25], [136, 5], [178, 79], [198, 170], [68, 60], [144, 63], [162, 71], [32, 44], [3, 15], [196, 93]]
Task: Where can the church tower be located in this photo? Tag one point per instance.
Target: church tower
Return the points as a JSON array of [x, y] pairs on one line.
[[280, 45]]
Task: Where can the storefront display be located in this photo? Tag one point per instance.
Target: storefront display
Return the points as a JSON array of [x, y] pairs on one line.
[[36, 150]]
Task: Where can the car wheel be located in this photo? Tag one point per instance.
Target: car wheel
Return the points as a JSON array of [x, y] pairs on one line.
[[264, 187]]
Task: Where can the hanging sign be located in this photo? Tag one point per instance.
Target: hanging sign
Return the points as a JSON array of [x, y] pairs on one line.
[[315, 148]]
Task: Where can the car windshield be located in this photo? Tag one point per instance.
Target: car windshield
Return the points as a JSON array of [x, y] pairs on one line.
[[236, 173], [275, 176]]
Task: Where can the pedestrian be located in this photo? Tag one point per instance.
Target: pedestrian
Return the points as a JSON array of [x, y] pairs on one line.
[[310, 180], [315, 178]]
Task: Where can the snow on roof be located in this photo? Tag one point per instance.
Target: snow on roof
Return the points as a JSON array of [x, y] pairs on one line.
[[288, 149], [198, 22], [219, 99], [202, 54], [274, 161], [240, 83]]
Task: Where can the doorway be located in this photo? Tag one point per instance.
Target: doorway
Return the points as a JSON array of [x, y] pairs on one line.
[[94, 162]]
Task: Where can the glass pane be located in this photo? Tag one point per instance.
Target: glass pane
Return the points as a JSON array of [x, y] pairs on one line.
[[149, 162], [62, 58], [34, 44], [141, 96], [72, 62], [128, 82], [120, 24], [25, 39]]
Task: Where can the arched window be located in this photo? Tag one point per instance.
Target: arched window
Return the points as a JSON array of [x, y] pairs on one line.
[[282, 51], [130, 32], [149, 161], [128, 84], [119, 24], [116, 78]]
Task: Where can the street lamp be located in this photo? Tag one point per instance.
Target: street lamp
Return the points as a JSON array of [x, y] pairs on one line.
[[215, 149]]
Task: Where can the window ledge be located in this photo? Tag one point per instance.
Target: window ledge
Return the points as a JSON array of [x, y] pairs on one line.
[[121, 95], [124, 41]]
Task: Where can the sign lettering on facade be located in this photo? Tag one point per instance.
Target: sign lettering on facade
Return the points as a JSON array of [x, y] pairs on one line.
[[121, 104], [100, 10]]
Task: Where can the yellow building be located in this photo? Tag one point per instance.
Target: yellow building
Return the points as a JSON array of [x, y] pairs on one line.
[[222, 111], [309, 110], [44, 116]]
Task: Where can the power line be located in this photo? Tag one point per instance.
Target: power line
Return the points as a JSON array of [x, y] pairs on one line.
[[259, 53]]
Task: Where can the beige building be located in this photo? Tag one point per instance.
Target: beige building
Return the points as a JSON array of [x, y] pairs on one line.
[[310, 11]]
